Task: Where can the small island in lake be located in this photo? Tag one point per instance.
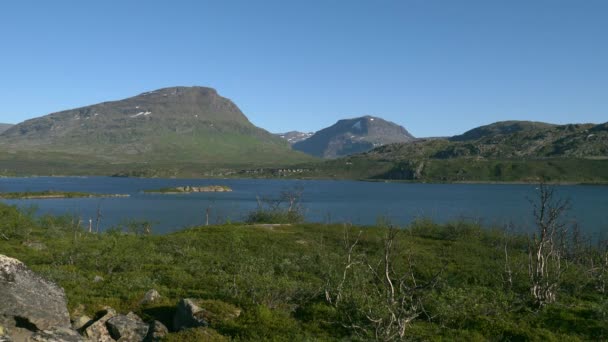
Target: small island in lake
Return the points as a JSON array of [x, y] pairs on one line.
[[190, 189], [52, 194]]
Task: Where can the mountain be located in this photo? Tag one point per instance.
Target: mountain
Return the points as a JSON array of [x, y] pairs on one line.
[[4, 127], [294, 136], [169, 126], [351, 136]]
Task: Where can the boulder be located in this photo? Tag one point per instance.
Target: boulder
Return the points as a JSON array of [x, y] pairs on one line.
[[192, 313], [156, 332], [127, 328], [98, 330], [29, 301], [150, 297], [188, 315]]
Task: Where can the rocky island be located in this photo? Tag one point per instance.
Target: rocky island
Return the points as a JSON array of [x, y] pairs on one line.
[[190, 189]]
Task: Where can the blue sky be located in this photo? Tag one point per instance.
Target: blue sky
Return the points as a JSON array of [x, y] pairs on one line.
[[435, 67]]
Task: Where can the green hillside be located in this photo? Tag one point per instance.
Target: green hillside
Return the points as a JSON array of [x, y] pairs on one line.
[[171, 126], [505, 151]]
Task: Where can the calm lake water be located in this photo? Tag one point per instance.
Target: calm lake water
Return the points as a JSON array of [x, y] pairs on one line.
[[323, 201]]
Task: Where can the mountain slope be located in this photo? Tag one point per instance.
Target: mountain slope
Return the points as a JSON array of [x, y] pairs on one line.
[[170, 125], [293, 137], [4, 127], [351, 136]]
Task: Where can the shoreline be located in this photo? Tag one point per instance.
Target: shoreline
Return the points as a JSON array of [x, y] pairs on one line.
[[55, 195], [370, 180]]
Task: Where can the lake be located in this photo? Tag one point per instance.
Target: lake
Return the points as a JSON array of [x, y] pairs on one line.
[[323, 201]]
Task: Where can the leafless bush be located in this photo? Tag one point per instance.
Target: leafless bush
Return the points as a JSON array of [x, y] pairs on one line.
[[546, 247], [392, 293]]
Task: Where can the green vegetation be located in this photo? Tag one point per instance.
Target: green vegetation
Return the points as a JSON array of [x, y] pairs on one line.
[[50, 194], [303, 281]]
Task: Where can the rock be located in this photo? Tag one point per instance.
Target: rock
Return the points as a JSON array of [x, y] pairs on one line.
[[97, 279], [98, 331], [150, 297], [133, 316], [127, 328], [188, 315], [57, 335], [35, 245], [28, 301], [81, 321], [156, 332]]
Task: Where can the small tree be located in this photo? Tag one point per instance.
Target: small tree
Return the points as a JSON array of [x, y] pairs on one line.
[[380, 295], [546, 247], [286, 208]]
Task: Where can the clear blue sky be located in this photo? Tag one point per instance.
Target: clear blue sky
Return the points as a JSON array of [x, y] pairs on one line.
[[436, 67]]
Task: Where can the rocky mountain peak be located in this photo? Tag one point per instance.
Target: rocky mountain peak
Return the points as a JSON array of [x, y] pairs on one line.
[[354, 135]]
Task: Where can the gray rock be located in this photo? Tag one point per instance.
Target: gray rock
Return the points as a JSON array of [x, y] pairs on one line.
[[57, 335], [28, 300], [150, 297], [97, 279], [188, 315], [156, 332], [127, 328], [134, 317], [98, 331]]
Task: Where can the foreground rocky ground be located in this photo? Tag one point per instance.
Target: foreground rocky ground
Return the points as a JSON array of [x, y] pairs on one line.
[[35, 309]]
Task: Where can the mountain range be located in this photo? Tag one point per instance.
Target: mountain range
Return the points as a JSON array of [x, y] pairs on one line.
[[193, 131]]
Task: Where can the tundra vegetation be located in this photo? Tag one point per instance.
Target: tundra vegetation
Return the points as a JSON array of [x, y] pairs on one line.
[[307, 281]]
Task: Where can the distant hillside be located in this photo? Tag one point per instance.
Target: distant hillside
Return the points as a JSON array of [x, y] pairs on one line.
[[502, 128], [353, 136], [4, 127], [543, 141], [294, 136], [165, 127], [513, 151]]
